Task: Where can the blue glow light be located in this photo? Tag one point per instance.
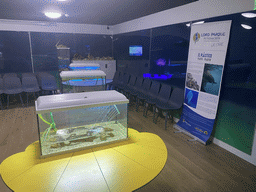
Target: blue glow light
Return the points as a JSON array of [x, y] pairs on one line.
[[73, 80], [156, 76], [84, 68]]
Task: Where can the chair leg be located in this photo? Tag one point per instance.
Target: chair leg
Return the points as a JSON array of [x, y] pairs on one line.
[[27, 99], [166, 118], [21, 101], [147, 110], [172, 113], [154, 113], [157, 114], [1, 102], [8, 100], [137, 104], [144, 109]]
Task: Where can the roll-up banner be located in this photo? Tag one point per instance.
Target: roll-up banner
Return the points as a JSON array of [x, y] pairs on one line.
[[206, 58]]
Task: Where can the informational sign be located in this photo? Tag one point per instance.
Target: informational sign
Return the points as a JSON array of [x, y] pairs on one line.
[[207, 53]]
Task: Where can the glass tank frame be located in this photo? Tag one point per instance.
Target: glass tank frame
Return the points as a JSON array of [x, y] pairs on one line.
[[76, 121]]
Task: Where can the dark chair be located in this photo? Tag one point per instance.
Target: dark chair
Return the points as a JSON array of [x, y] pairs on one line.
[[30, 85], [141, 93], [130, 85], [47, 82], [151, 97], [12, 86], [163, 97], [9, 75], [112, 84], [133, 90], [123, 82], [174, 103]]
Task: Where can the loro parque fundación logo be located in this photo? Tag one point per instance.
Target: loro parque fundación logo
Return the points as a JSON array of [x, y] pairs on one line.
[[196, 37]]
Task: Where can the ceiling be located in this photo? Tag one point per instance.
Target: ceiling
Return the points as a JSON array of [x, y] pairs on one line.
[[102, 12]]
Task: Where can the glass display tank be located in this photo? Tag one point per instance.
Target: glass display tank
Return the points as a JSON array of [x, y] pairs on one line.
[[75, 121]]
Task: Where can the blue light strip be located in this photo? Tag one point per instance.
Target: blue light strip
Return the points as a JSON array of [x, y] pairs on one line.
[[156, 76], [84, 68]]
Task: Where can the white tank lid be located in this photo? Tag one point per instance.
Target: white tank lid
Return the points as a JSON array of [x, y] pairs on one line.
[[62, 102], [84, 65], [82, 74]]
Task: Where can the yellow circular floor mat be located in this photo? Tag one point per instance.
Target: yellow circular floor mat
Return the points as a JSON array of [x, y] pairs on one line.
[[123, 166]]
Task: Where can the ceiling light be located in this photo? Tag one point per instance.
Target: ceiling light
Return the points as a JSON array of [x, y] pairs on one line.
[[249, 15], [199, 22], [246, 26], [53, 15]]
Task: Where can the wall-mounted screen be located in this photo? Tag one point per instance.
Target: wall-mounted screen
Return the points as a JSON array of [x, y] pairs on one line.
[[135, 50]]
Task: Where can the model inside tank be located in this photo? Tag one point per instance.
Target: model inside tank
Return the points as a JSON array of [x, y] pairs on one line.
[[70, 129]]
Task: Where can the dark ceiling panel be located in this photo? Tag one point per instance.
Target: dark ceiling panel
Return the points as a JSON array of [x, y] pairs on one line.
[[102, 12]]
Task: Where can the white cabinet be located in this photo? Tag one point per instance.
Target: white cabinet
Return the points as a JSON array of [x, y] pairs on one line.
[[108, 66]]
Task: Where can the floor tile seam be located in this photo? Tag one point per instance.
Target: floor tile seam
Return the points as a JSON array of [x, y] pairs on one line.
[[63, 172], [101, 170], [22, 173], [133, 160]]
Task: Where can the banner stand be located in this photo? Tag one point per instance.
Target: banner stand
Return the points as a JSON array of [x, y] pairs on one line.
[[181, 130], [206, 60]]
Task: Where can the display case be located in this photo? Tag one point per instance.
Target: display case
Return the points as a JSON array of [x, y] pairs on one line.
[[74, 121]]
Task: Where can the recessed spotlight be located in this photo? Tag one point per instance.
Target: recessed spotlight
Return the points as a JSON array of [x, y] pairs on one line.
[[249, 15], [66, 15], [53, 15], [246, 26], [199, 22]]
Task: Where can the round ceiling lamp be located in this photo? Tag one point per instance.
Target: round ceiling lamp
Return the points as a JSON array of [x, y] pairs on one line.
[[249, 15], [53, 15], [246, 26], [199, 22]]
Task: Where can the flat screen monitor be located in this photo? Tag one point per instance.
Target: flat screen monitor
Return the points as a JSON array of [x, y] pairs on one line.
[[135, 50]]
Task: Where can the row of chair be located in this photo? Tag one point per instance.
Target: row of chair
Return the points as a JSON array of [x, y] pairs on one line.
[[11, 84], [159, 95]]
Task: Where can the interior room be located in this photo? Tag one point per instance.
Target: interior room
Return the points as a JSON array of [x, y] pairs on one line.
[[113, 53]]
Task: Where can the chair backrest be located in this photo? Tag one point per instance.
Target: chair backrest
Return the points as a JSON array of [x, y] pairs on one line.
[[9, 75], [154, 89], [177, 98], [165, 92], [126, 79], [48, 84], [11, 83], [116, 76], [132, 80], [29, 81], [146, 84], [28, 75], [44, 74], [121, 75], [139, 82]]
